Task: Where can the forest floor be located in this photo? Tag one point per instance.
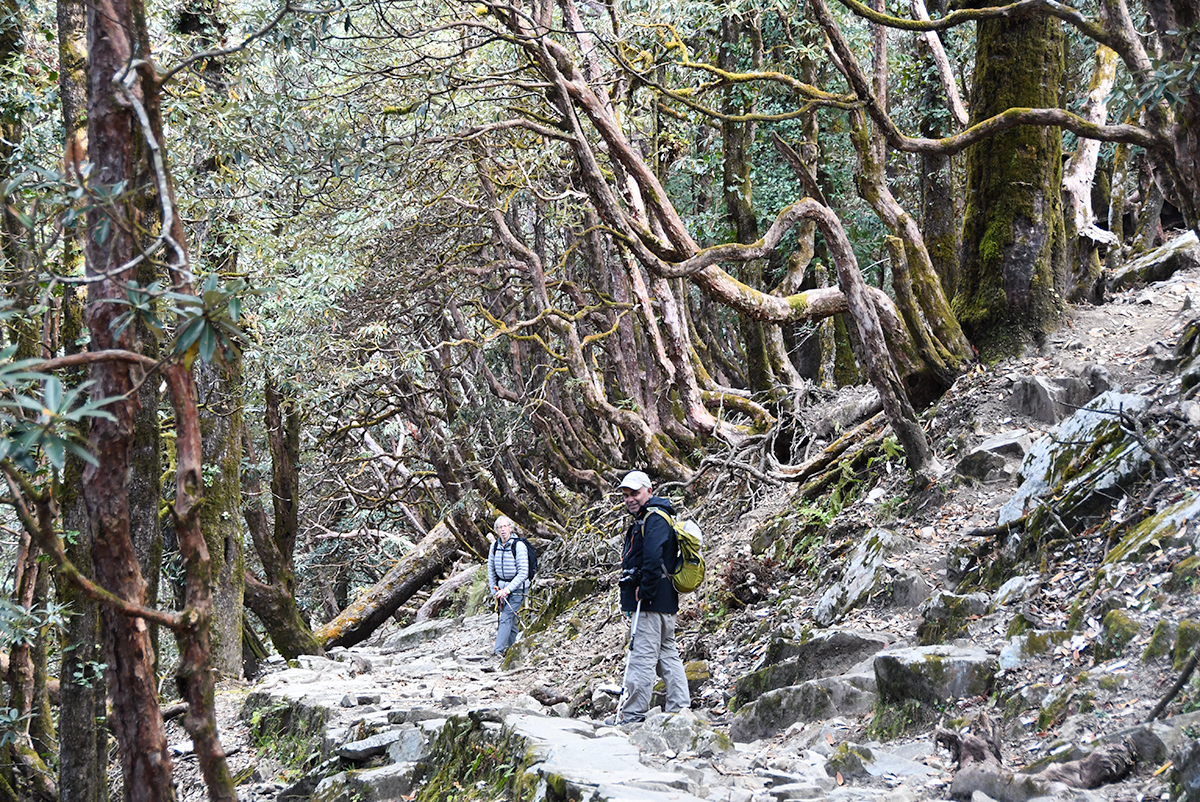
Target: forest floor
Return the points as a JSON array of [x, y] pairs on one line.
[[1126, 336]]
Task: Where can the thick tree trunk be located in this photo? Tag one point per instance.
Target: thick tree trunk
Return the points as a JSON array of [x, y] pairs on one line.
[[372, 609], [136, 720], [1013, 241], [220, 398]]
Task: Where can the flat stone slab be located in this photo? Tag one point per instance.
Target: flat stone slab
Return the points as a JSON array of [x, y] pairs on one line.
[[934, 674], [608, 767]]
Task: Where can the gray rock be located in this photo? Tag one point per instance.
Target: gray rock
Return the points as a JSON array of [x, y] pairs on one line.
[[349, 700], [1177, 525], [1013, 443], [815, 700], [1094, 477], [1181, 253], [367, 748], [415, 635], [979, 464], [944, 616], [584, 766], [679, 732], [372, 785], [1186, 772], [863, 574], [933, 674], [411, 744], [1038, 398], [1021, 648], [907, 588], [790, 662], [1017, 589]]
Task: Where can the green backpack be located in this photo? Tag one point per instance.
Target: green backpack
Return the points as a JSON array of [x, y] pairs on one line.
[[690, 572]]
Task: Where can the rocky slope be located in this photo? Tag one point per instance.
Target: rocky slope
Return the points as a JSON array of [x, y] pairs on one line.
[[825, 666]]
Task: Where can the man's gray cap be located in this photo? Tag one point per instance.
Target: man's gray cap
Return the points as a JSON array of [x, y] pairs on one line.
[[636, 480]]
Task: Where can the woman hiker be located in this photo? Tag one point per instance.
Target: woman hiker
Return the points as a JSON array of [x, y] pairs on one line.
[[508, 570]]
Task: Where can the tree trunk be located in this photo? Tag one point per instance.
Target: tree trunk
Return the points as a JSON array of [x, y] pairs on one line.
[[220, 401], [1176, 22], [1083, 237], [941, 206], [372, 609], [274, 600], [1013, 241], [82, 746], [136, 720]]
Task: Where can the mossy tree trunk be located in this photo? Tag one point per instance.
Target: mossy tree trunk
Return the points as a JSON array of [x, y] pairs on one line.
[[1013, 240], [220, 396]]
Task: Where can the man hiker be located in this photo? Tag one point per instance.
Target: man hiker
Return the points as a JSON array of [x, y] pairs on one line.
[[648, 557], [508, 569]]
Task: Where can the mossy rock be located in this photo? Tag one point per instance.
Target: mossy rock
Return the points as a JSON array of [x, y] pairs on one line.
[[945, 616], [1161, 641], [1118, 630], [849, 760], [1185, 575], [1185, 642], [1156, 532]]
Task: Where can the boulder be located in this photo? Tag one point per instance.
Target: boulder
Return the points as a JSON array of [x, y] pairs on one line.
[[824, 654], [411, 744], [373, 785], [945, 616], [863, 575], [1084, 464], [1181, 253], [367, 748], [1049, 400], [1023, 647], [417, 634], [1177, 525], [679, 732], [933, 674], [1017, 589], [815, 700]]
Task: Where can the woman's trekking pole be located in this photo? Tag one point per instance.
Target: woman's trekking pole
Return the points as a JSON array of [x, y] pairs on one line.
[[628, 655]]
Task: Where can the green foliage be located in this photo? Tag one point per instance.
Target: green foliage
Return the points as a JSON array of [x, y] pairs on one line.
[[48, 423]]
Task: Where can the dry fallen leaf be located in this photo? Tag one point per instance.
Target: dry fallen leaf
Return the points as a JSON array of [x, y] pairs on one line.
[[840, 781]]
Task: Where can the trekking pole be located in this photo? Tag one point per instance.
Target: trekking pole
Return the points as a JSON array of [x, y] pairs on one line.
[[628, 655]]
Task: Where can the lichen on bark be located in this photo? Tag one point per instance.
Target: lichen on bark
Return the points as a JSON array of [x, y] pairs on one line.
[[1013, 238]]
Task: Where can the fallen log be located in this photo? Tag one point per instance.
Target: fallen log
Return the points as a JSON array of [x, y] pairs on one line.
[[441, 597], [370, 610]]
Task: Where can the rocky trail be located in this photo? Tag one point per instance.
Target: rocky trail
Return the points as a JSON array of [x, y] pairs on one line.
[[866, 665]]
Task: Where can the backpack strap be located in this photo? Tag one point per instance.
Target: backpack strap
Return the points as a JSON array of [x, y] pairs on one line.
[[671, 526]]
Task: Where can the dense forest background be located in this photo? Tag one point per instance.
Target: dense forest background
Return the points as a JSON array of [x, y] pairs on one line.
[[296, 293]]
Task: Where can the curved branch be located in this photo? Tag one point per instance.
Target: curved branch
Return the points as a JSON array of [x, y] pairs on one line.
[[1130, 134]]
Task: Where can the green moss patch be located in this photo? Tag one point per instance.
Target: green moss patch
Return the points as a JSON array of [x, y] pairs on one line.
[[1185, 642], [1118, 630]]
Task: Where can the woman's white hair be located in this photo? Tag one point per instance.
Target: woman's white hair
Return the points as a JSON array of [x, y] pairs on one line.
[[504, 519]]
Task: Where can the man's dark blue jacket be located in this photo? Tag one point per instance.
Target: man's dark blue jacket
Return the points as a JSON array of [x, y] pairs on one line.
[[650, 548]]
